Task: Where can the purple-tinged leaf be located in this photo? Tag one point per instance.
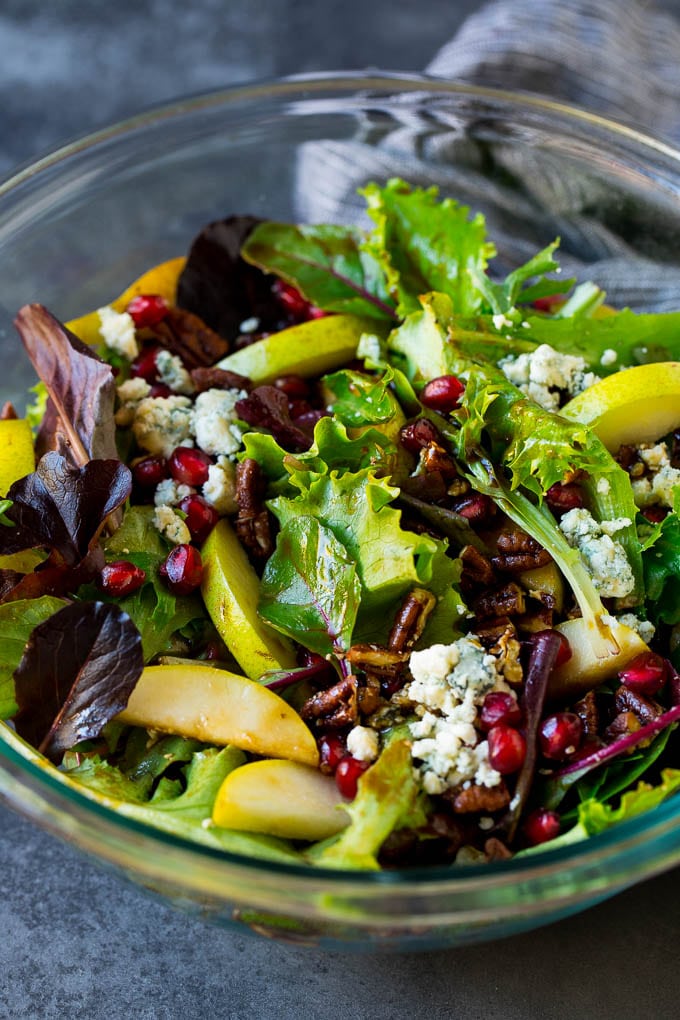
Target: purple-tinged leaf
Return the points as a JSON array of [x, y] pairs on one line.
[[279, 679], [79, 420], [63, 508], [78, 670], [267, 407]]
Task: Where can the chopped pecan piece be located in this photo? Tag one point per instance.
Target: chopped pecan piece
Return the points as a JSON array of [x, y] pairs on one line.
[[410, 620], [253, 524], [507, 652], [434, 458], [218, 379], [587, 711], [186, 335], [431, 488], [336, 707], [368, 695], [496, 850], [540, 618], [622, 724], [477, 569], [627, 456], [509, 600], [643, 708], [377, 660], [478, 799], [518, 551], [8, 412], [491, 631]]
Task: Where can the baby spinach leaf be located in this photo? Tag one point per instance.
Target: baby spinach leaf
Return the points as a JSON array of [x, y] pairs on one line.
[[661, 562]]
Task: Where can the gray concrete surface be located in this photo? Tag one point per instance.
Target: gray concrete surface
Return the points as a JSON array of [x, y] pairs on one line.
[[75, 941]]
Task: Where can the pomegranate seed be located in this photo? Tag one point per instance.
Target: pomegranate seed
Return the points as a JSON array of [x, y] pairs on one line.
[[316, 313], [476, 508], [290, 298], [544, 304], [347, 775], [655, 514], [564, 652], [150, 471], [443, 393], [645, 674], [121, 578], [561, 498], [418, 434], [298, 408], [294, 386], [500, 709], [331, 750], [182, 571], [147, 309], [144, 365], [507, 749], [189, 466], [542, 825], [560, 735], [201, 516], [215, 651], [159, 389]]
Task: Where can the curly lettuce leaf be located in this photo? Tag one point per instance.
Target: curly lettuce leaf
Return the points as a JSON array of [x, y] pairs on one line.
[[596, 816], [17, 622]]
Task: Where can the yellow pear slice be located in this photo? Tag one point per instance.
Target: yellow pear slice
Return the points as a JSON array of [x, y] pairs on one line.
[[584, 670], [636, 405], [161, 279], [218, 707], [309, 349], [230, 590], [16, 452], [280, 798]]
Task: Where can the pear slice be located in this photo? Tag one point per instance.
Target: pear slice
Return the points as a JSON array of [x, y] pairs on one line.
[[584, 670], [161, 279], [219, 707], [230, 590], [280, 798], [308, 349], [545, 583], [636, 405], [17, 457]]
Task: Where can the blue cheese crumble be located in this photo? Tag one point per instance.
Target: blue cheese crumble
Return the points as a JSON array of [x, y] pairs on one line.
[[660, 485], [169, 493], [215, 421], [450, 683], [117, 330], [163, 423], [362, 743], [171, 525], [130, 393], [604, 556], [546, 375], [220, 488], [172, 372]]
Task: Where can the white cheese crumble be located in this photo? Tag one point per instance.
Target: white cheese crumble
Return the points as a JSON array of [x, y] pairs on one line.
[[171, 525], [130, 393], [362, 743], [603, 555], [603, 486], [449, 685], [546, 374], [172, 372], [645, 628], [162, 423], [214, 421], [609, 357], [117, 329], [249, 325], [501, 320], [661, 486], [220, 488], [169, 493]]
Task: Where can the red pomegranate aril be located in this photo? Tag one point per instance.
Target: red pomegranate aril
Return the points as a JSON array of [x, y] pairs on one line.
[[298, 407], [561, 498], [215, 651], [560, 735], [655, 514], [541, 826], [121, 578], [159, 389], [499, 709], [331, 752], [294, 386], [147, 310], [645, 674], [443, 393], [150, 471], [182, 571], [507, 749], [144, 366], [564, 653], [201, 516], [189, 466], [290, 298], [347, 775], [316, 313], [477, 507], [418, 434]]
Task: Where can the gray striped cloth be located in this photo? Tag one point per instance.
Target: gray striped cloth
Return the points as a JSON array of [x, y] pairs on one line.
[[621, 60]]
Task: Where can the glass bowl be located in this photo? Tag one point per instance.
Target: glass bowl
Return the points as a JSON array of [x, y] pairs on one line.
[[78, 225]]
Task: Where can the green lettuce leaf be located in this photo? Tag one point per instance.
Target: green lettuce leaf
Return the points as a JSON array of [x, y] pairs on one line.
[[661, 562], [310, 589], [388, 798], [502, 297], [596, 816], [17, 622], [360, 399]]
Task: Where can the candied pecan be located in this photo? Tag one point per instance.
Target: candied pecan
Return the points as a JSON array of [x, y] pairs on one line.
[[187, 335], [540, 618], [253, 524], [626, 456], [430, 488], [377, 660], [491, 631], [409, 623], [518, 551], [622, 724], [496, 850], [369, 697], [509, 600], [643, 708], [477, 569], [587, 711], [478, 799], [218, 379], [507, 652], [675, 450], [434, 458], [335, 707], [8, 412]]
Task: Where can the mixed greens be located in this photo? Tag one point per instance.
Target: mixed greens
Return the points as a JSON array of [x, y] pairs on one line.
[[328, 545]]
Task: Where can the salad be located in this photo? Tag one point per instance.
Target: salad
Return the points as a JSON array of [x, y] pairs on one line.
[[329, 545]]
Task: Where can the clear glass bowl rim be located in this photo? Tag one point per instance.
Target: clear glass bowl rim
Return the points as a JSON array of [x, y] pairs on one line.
[[595, 852]]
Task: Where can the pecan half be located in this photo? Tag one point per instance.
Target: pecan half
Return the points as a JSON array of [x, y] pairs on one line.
[[377, 660], [409, 623], [478, 799], [477, 570], [509, 600], [253, 523], [336, 707], [518, 551], [218, 379], [621, 725], [186, 335], [491, 631], [434, 458], [587, 711], [643, 708]]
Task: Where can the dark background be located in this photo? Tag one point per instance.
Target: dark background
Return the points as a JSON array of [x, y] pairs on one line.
[[76, 941]]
